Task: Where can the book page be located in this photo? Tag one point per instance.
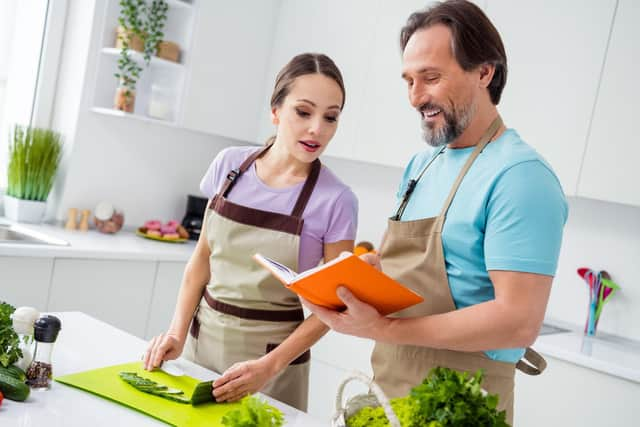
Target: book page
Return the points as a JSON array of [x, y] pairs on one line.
[[284, 273], [336, 260]]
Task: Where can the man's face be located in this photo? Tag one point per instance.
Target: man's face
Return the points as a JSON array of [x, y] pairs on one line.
[[442, 92]]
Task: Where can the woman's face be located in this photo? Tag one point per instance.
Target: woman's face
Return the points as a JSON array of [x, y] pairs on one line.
[[308, 116]]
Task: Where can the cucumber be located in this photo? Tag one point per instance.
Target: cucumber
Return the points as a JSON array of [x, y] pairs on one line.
[[15, 372], [12, 387]]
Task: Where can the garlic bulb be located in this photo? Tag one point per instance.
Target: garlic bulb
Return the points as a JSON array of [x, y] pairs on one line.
[[23, 319]]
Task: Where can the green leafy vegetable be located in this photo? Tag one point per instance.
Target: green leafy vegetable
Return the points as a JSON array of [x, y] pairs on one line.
[[148, 386], [445, 398], [9, 342], [253, 412]]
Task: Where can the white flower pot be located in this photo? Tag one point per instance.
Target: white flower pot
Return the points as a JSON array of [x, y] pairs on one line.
[[24, 210]]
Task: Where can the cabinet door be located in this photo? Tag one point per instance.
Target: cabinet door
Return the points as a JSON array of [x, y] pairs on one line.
[[230, 50], [610, 171], [389, 127], [25, 281], [560, 396], [345, 32], [116, 292], [555, 52], [165, 296]]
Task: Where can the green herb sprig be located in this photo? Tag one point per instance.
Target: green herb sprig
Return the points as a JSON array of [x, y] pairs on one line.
[[9, 342]]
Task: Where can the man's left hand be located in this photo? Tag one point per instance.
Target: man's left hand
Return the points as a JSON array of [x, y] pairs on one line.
[[359, 319]]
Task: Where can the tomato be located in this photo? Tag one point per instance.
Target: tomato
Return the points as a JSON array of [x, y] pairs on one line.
[[1, 397]]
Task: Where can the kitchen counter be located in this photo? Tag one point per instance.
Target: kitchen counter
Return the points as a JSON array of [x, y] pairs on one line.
[[86, 343], [125, 245], [606, 353]]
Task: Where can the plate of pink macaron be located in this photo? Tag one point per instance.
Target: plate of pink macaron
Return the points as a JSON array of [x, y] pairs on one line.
[[171, 231]]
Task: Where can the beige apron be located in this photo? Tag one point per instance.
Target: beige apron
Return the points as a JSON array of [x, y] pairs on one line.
[[412, 253], [245, 312]]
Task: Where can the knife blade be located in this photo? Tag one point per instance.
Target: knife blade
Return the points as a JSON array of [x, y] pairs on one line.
[[172, 367]]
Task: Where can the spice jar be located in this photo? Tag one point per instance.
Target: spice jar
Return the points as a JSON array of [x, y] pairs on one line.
[[45, 332]]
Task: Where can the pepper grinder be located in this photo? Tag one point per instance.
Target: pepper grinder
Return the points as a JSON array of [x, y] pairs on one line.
[[84, 221], [71, 219], [45, 332]]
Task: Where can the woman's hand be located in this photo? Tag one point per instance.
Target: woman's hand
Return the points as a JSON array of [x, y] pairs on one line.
[[163, 347], [242, 379]]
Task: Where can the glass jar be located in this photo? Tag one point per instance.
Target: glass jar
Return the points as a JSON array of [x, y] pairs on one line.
[[160, 103], [45, 332]]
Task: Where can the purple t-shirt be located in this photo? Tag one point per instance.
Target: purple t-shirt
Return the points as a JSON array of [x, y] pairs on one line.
[[331, 214]]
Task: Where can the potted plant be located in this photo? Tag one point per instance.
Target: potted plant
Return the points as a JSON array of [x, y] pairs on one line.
[[34, 156], [131, 22], [141, 26]]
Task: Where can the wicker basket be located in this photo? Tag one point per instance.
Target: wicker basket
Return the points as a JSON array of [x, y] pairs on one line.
[[374, 398]]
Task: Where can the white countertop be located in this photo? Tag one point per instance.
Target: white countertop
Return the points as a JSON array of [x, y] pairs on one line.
[[606, 353], [124, 244], [86, 343]]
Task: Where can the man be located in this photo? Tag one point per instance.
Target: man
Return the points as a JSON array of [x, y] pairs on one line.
[[479, 221]]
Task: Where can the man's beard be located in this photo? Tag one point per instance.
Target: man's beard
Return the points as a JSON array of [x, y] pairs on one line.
[[455, 123]]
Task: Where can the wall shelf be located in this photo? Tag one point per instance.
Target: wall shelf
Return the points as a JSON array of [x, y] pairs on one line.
[[139, 58]]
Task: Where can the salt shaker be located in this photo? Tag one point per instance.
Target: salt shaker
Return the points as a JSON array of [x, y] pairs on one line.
[[45, 332]]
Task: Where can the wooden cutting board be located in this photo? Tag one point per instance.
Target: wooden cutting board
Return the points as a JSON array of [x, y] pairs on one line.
[[106, 383]]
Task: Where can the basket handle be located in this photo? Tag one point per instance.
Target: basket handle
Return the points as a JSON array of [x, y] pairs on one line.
[[377, 391]]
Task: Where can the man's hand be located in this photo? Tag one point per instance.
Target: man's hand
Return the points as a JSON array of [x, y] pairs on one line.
[[359, 319], [242, 379]]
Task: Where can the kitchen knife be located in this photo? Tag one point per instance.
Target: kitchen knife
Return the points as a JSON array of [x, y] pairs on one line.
[[172, 367]]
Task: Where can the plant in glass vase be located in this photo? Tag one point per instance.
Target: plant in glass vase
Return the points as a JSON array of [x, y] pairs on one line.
[[131, 20]]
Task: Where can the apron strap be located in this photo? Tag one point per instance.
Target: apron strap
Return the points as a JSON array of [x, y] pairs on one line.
[[235, 173], [532, 363], [305, 194], [309, 185], [484, 140]]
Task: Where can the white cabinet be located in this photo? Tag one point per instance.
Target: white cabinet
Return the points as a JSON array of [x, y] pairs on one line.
[[610, 171], [116, 292], [570, 395], [25, 281], [165, 296], [232, 42], [345, 31], [555, 52]]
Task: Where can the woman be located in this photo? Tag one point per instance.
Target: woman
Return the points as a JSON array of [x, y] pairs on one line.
[[279, 201]]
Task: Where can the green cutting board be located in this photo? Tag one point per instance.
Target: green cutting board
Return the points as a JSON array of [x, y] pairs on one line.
[[105, 382]]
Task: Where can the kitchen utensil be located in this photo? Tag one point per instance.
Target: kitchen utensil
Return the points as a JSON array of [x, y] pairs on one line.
[[106, 383], [172, 367]]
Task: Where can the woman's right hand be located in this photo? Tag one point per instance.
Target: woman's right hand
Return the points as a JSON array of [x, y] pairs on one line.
[[163, 347]]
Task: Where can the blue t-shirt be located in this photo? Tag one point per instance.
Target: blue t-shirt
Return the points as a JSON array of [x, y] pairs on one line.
[[508, 214]]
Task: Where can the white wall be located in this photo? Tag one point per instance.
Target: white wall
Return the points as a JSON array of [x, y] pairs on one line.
[[144, 169]]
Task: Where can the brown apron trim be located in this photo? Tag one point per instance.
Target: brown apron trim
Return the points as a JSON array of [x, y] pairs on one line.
[[296, 315], [532, 362], [194, 330], [303, 358], [256, 217], [305, 193]]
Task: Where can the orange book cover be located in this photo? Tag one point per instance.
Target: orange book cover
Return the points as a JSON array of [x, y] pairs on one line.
[[318, 285]]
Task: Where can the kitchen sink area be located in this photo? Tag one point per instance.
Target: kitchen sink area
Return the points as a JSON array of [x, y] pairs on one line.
[[20, 235]]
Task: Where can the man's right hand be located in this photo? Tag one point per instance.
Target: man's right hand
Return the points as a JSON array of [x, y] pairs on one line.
[[163, 347], [373, 259]]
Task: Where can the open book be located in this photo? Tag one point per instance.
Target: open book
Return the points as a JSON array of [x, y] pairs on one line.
[[318, 285]]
